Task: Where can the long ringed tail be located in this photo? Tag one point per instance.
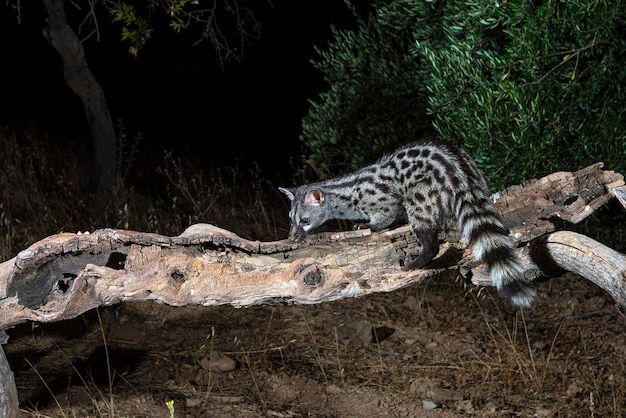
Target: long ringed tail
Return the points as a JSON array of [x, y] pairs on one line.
[[492, 245], [482, 228]]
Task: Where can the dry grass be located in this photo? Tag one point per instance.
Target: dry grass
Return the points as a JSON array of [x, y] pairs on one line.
[[479, 358], [43, 194]]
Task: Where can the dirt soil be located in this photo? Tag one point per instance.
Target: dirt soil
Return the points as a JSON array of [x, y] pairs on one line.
[[439, 349]]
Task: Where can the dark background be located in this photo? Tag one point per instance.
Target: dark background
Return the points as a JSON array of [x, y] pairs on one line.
[[177, 95]]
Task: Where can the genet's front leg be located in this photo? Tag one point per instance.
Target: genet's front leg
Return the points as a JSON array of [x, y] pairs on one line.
[[378, 223]]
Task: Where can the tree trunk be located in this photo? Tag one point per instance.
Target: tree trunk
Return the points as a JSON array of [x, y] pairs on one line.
[[9, 405], [83, 83]]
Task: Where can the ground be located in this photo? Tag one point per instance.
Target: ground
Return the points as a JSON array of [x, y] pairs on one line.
[[438, 349]]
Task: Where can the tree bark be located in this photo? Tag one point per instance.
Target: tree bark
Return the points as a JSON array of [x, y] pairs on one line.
[[82, 82], [9, 405]]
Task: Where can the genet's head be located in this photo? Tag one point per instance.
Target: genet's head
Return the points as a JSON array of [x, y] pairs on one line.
[[308, 210]]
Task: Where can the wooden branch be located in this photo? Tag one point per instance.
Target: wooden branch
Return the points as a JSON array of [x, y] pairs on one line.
[[561, 251], [65, 275], [582, 255], [537, 207]]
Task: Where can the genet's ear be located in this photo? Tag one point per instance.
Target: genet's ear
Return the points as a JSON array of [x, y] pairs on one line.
[[289, 192], [314, 197]]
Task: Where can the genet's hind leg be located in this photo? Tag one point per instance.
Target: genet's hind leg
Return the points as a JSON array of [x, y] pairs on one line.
[[423, 220], [430, 247]]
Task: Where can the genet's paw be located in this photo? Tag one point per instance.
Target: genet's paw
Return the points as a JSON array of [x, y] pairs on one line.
[[430, 248]]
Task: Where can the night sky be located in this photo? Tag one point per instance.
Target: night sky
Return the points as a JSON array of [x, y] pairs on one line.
[[174, 93]]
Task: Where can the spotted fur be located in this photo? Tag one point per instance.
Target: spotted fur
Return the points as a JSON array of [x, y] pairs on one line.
[[432, 186]]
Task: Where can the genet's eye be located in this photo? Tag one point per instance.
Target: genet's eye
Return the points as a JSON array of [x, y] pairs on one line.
[[305, 221]]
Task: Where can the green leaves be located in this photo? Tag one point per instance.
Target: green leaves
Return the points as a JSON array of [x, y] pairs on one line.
[[528, 87], [135, 29], [373, 102]]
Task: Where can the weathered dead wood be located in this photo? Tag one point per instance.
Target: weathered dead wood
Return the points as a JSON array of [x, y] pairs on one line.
[[586, 257], [65, 275], [537, 207], [561, 251]]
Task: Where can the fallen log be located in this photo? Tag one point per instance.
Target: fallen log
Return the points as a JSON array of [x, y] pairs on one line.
[[64, 275], [67, 274]]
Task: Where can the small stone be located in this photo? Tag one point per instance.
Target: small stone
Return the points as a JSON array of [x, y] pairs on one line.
[[192, 402], [218, 363], [429, 404], [333, 389], [444, 395], [543, 412], [357, 333]]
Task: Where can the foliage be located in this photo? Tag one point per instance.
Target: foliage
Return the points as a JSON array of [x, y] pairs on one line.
[[229, 25], [135, 29], [531, 88], [527, 87], [370, 103]]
